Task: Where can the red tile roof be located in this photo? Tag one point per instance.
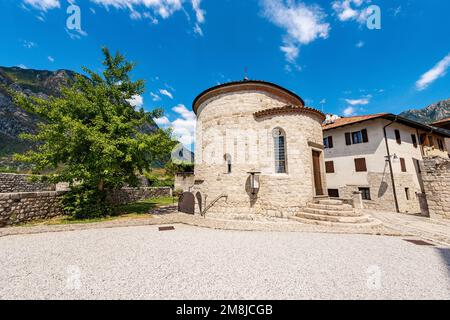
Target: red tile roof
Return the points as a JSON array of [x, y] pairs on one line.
[[351, 120]]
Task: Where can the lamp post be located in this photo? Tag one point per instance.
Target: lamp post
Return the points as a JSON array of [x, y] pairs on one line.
[[254, 181]]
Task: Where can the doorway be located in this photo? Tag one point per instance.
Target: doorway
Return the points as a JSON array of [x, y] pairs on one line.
[[317, 173]]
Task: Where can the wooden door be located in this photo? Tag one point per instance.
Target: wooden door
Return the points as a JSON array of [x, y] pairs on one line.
[[317, 173]]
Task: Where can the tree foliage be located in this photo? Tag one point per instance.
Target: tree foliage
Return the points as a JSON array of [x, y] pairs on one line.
[[94, 136]]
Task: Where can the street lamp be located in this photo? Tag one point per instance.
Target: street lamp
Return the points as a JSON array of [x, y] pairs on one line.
[[254, 181]]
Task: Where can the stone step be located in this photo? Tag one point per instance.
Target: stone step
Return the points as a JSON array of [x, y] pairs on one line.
[[371, 224], [321, 217], [334, 207], [335, 213], [331, 202]]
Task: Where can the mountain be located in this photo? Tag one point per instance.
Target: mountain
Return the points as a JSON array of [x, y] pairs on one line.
[[14, 120], [432, 113]]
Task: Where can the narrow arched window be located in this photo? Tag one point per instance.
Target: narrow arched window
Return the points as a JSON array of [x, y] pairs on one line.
[[227, 158], [279, 143]]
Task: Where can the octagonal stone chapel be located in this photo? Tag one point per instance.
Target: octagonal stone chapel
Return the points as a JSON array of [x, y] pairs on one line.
[[259, 151]]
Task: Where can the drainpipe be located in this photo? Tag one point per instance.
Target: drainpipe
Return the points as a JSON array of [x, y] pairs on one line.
[[390, 164]]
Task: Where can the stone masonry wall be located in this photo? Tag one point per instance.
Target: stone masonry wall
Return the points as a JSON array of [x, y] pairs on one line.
[[184, 181], [127, 195], [12, 182], [20, 207], [436, 180]]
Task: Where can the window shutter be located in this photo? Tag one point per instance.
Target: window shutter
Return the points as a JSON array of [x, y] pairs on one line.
[[330, 142], [403, 164], [348, 138], [398, 137], [360, 165], [365, 137], [329, 167], [414, 140]]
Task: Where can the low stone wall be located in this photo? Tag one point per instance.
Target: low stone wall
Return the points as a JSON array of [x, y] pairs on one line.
[[127, 195], [20, 207], [436, 181], [184, 181], [13, 182], [26, 206]]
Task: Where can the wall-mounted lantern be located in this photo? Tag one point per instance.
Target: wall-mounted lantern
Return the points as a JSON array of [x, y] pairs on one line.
[[254, 181], [394, 157]]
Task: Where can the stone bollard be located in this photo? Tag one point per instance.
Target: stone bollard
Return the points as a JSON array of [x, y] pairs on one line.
[[357, 200]]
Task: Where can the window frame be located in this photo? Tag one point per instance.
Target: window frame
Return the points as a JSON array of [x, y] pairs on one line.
[[365, 193], [328, 142], [279, 164], [403, 165], [329, 166], [398, 136], [360, 165]]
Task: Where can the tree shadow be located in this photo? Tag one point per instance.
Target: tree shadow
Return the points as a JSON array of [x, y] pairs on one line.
[[445, 256]]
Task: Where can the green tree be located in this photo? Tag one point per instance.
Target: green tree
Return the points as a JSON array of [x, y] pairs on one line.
[[94, 136]]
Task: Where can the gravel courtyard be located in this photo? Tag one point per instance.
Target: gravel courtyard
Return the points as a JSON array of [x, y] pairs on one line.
[[196, 263]]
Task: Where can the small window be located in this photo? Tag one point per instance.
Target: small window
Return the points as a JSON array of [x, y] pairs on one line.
[[348, 138], [407, 194], [227, 158], [419, 170], [398, 138], [403, 164], [333, 193], [357, 137], [440, 144], [360, 165], [365, 193], [328, 142], [365, 137], [430, 141], [329, 166], [414, 140], [279, 142]]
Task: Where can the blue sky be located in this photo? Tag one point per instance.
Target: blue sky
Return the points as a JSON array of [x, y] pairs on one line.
[[322, 50]]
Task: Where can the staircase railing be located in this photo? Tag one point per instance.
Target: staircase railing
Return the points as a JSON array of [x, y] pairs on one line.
[[212, 203]]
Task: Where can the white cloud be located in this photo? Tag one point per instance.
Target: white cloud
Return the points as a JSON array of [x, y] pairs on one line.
[[162, 122], [358, 102], [43, 5], [360, 44], [51, 59], [28, 44], [155, 97], [349, 111], [136, 101], [183, 127], [22, 66], [163, 8], [166, 93], [348, 10], [302, 24], [438, 71]]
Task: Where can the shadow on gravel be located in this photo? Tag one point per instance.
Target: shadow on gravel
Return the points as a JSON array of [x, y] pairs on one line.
[[445, 255]]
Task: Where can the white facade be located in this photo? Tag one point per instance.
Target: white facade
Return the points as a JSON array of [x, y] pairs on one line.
[[378, 176]]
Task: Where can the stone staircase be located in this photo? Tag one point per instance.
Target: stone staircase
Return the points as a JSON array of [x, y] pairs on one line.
[[334, 213]]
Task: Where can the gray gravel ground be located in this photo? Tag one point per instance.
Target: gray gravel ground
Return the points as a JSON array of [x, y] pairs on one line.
[[196, 263]]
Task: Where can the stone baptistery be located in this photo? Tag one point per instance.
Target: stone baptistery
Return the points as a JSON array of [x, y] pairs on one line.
[[259, 151]]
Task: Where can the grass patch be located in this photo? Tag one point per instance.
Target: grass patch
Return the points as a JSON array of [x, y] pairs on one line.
[[145, 206], [140, 209]]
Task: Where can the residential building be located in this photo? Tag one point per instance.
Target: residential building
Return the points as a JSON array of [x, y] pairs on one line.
[[444, 124], [372, 153]]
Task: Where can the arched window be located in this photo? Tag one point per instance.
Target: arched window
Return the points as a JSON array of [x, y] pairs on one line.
[[279, 143], [227, 158]]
